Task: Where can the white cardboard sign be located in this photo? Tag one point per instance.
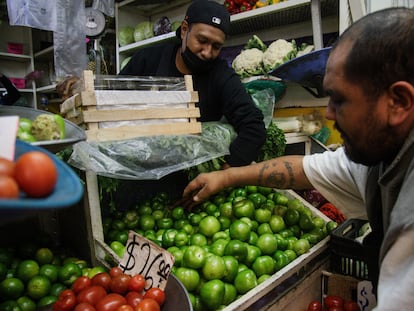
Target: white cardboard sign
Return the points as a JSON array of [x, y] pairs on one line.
[[144, 257], [8, 131]]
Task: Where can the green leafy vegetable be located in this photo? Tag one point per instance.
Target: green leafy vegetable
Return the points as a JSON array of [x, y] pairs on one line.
[[275, 144]]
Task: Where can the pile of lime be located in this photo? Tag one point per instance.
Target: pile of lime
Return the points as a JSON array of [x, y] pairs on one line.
[[228, 245]]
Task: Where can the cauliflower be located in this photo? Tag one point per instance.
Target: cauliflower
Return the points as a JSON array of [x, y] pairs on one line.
[[248, 63], [48, 127], [278, 52]]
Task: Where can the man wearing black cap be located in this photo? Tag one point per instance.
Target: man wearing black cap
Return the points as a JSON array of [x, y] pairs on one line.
[[221, 94]]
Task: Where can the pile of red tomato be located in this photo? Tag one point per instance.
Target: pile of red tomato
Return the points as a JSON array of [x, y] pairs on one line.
[[333, 303], [34, 173], [110, 291]]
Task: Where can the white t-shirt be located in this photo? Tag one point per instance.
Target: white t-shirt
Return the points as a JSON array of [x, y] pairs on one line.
[[341, 181]]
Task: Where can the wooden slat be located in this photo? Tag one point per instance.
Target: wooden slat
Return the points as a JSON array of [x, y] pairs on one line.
[[141, 114], [128, 132], [132, 97]]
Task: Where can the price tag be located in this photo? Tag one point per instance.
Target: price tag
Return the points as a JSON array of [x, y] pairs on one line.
[[144, 257], [366, 296], [8, 131]]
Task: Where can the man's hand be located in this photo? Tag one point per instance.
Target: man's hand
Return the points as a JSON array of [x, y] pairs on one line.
[[204, 186]]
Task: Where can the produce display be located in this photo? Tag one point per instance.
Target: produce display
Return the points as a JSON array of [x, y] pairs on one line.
[[111, 290], [258, 59], [239, 6], [42, 127], [333, 303], [33, 274], [33, 173], [145, 30], [228, 245]]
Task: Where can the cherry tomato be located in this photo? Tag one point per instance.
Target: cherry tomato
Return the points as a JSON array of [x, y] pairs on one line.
[[133, 298], [125, 308], [103, 279], [6, 167], [137, 283], [314, 306], [9, 188], [91, 294], [335, 308], [114, 271], [84, 306], [81, 283], [333, 301], [148, 304], [66, 301], [157, 294], [350, 305], [110, 302], [120, 283], [36, 174]]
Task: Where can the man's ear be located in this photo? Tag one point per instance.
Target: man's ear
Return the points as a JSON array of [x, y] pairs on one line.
[[184, 29], [401, 94]]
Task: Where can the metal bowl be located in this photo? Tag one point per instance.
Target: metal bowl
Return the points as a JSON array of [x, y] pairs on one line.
[[74, 133]]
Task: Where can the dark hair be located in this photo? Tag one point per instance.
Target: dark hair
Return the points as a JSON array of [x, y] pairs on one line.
[[382, 51]]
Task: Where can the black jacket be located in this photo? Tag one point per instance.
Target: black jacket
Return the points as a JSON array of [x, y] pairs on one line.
[[221, 94]]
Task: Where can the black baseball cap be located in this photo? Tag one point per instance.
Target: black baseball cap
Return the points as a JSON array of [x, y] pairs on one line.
[[207, 12]]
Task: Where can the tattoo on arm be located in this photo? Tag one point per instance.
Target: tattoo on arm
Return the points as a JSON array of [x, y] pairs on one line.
[[275, 178]]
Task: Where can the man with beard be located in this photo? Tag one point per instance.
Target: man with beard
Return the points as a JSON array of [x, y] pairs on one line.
[[370, 83], [221, 94]]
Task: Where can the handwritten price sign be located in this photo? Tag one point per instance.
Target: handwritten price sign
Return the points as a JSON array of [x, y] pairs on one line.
[[144, 257]]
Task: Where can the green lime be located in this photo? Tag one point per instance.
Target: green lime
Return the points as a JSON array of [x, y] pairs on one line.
[[27, 269], [38, 287], [11, 288], [245, 281]]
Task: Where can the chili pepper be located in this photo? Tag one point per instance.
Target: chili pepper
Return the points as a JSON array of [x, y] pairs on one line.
[[332, 212], [229, 5], [246, 6]]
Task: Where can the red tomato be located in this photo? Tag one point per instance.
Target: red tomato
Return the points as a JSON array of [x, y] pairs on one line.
[[350, 305], [81, 283], [66, 301], [314, 306], [36, 174], [137, 283], [84, 306], [157, 294], [335, 308], [110, 302], [333, 301], [133, 298], [125, 308], [6, 167], [91, 294], [120, 283], [114, 271], [148, 304], [103, 279], [9, 188]]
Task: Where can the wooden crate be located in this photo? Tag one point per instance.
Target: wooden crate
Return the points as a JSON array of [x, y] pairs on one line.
[[109, 115]]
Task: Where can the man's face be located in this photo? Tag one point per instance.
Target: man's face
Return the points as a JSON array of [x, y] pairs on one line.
[[203, 40], [361, 121]]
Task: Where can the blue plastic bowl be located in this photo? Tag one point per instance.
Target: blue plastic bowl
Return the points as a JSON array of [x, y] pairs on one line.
[[68, 190]]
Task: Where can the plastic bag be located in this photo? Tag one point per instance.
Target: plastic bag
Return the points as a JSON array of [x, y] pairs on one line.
[[33, 13], [265, 101], [69, 39], [153, 157], [105, 6]]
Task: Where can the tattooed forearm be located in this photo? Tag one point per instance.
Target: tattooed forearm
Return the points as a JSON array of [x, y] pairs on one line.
[[272, 176]]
